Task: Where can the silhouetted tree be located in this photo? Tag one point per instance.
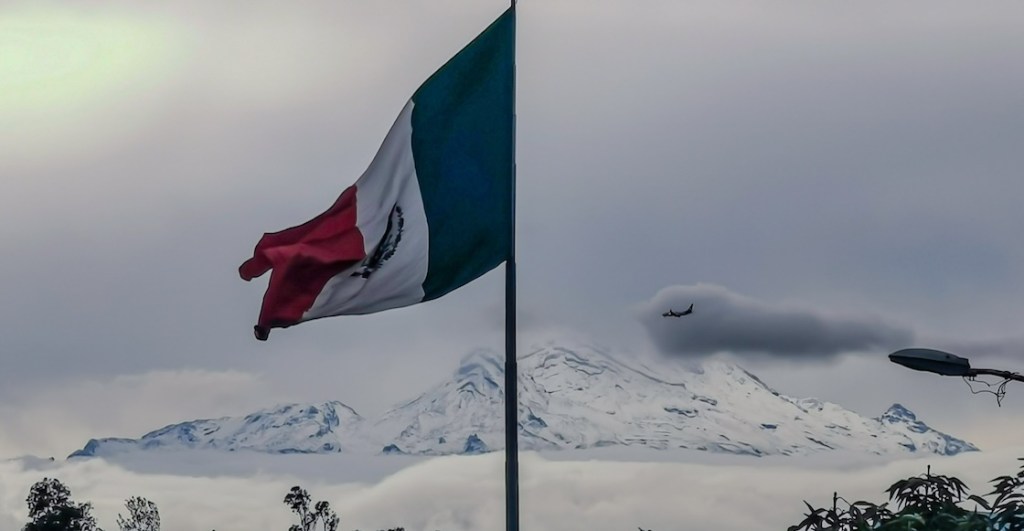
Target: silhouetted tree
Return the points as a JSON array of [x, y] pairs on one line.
[[50, 509], [142, 515], [310, 518]]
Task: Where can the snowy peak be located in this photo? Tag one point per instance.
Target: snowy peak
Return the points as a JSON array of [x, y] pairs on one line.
[[291, 428], [445, 419], [314, 422], [897, 413], [323, 417], [481, 372], [901, 419]]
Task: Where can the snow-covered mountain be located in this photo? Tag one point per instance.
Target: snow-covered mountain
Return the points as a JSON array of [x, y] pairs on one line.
[[293, 428], [572, 396]]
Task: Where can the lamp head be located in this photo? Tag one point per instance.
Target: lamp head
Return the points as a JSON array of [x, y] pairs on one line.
[[930, 360]]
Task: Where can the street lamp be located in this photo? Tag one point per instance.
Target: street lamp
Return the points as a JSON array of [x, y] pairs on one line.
[[946, 364], [930, 360]]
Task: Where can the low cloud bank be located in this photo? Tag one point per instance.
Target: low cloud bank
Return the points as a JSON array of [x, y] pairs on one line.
[[724, 321], [465, 493]]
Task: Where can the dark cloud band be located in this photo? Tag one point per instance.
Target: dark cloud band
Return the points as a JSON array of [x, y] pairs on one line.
[[724, 321]]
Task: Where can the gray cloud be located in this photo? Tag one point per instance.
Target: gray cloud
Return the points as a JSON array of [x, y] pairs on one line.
[[724, 321]]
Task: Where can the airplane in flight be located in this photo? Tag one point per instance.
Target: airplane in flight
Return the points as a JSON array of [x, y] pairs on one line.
[[671, 313]]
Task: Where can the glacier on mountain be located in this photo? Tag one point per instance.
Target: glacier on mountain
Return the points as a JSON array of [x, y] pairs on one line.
[[571, 396]]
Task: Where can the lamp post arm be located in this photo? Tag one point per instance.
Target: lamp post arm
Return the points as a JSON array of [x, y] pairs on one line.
[[993, 372]]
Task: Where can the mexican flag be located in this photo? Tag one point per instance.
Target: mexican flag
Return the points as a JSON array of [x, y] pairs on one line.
[[431, 213]]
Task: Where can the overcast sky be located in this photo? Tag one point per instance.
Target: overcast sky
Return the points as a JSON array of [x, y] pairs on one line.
[[846, 177]]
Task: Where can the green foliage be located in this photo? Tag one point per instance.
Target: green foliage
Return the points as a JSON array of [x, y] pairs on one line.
[[926, 503], [1007, 507], [50, 509]]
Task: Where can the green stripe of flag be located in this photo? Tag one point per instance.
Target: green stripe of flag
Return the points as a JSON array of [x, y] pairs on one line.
[[462, 143]]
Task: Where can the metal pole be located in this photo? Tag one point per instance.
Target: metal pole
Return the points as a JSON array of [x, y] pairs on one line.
[[511, 367], [511, 402], [993, 372]]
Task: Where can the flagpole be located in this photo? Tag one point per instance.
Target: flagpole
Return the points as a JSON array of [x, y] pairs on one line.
[[511, 366]]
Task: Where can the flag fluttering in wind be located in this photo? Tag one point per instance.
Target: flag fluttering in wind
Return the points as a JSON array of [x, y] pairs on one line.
[[432, 212]]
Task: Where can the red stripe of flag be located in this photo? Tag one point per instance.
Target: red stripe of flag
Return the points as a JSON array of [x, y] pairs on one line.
[[302, 260]]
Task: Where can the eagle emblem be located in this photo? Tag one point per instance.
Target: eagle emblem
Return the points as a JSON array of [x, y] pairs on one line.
[[386, 247]]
